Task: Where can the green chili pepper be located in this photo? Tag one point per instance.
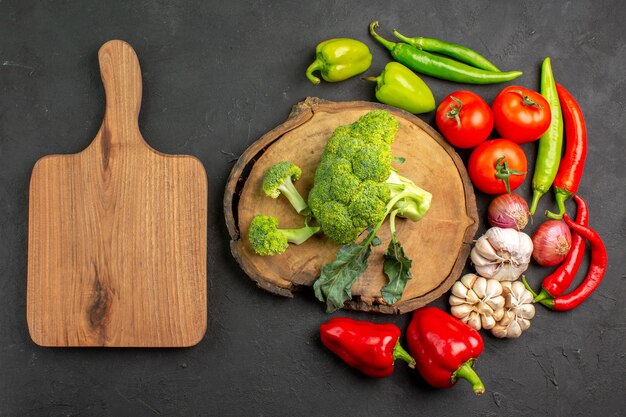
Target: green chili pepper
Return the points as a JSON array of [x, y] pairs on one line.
[[453, 50], [440, 67], [400, 87], [551, 142], [339, 59]]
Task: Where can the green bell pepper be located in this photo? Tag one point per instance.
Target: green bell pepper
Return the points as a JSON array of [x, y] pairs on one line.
[[339, 59], [400, 87]]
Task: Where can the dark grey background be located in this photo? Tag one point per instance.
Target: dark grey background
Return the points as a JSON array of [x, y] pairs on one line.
[[216, 77]]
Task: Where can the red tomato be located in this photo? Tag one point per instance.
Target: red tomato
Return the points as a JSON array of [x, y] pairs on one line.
[[464, 119], [520, 114], [495, 161]]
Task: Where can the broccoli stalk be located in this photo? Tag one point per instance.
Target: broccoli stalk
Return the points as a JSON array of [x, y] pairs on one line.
[[279, 180], [411, 201], [267, 239]]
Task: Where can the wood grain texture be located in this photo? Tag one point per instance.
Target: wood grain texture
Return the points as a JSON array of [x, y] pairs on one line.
[[438, 244], [117, 233]]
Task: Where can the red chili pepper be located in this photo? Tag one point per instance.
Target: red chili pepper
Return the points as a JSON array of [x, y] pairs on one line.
[[444, 348], [597, 268], [573, 161], [369, 347], [557, 282]]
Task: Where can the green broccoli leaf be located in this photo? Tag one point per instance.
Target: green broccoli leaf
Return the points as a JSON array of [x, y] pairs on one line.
[[334, 286], [397, 267]]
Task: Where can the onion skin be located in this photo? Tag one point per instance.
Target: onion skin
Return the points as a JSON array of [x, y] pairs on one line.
[[508, 211], [551, 243]]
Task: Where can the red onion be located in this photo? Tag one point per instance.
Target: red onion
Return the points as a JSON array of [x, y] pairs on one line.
[[551, 242], [508, 211]]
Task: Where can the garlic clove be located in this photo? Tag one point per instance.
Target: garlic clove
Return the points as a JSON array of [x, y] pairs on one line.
[[494, 288], [484, 309], [459, 290], [487, 322], [525, 311], [499, 331], [480, 287], [498, 314], [455, 301], [523, 324], [468, 280], [514, 330], [472, 297], [496, 303], [473, 320], [461, 310]]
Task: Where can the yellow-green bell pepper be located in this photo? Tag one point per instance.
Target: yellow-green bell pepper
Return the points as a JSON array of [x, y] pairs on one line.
[[339, 59], [400, 87]]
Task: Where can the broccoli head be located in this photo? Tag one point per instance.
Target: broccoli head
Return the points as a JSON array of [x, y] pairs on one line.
[[279, 179], [355, 186], [267, 239]]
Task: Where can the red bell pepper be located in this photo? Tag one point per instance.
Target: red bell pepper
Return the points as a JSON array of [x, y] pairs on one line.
[[444, 348], [369, 347]]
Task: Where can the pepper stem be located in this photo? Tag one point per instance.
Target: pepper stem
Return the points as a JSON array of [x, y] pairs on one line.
[[543, 295], [373, 79], [411, 41], [466, 372], [560, 195], [548, 302], [536, 196], [400, 353], [318, 64], [384, 42], [528, 287]]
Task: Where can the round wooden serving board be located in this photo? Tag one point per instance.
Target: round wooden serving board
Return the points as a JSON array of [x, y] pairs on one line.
[[438, 244]]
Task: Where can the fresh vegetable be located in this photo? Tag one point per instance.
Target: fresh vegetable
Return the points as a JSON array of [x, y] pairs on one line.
[[551, 142], [464, 119], [518, 311], [279, 179], [551, 243], [369, 347], [439, 66], [400, 87], [520, 114], [502, 254], [339, 59], [573, 161], [444, 348], [477, 301], [497, 166], [508, 211], [267, 239], [597, 268], [355, 189], [557, 282], [458, 52]]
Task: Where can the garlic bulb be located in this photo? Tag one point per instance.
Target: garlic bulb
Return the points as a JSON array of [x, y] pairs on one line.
[[477, 301], [502, 254], [518, 311]]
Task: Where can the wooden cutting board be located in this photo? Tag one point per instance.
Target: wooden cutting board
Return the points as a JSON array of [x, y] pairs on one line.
[[438, 244], [117, 233]]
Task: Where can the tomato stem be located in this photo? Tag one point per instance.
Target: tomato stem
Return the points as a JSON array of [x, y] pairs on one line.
[[455, 111], [526, 100], [503, 172]]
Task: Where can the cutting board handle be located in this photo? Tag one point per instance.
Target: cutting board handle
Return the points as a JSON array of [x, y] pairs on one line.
[[121, 76]]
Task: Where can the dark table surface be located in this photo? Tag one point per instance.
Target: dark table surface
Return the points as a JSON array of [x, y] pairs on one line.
[[216, 77]]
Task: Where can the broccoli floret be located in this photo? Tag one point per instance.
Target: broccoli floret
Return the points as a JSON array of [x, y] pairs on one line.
[[279, 179], [267, 239], [355, 186]]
